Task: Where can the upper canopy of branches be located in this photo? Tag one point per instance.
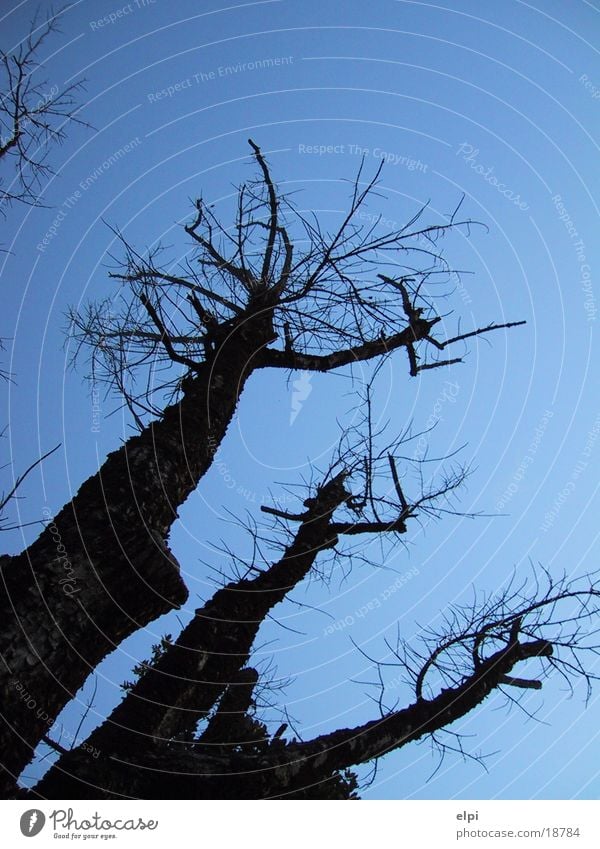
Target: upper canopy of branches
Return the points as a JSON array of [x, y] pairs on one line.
[[318, 291], [32, 114]]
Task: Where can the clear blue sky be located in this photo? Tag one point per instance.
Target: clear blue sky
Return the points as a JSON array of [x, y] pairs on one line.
[[496, 101]]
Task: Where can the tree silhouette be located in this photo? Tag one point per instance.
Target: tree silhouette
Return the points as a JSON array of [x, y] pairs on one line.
[[33, 118], [33, 115], [273, 290]]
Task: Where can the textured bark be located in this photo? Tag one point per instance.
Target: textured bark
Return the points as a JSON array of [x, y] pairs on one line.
[[229, 723], [280, 769], [363, 744], [170, 698], [102, 570], [63, 612]]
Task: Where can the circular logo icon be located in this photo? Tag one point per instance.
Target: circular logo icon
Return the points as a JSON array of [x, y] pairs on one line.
[[32, 822]]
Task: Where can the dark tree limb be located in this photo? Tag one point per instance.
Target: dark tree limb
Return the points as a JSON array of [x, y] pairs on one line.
[[373, 739], [228, 724], [281, 771], [274, 768], [164, 335], [208, 245], [114, 528], [354, 528], [192, 674], [521, 683], [113, 573], [4, 499], [406, 338], [33, 114], [273, 222]]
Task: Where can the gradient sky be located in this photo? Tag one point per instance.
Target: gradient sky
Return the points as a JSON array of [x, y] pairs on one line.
[[452, 95]]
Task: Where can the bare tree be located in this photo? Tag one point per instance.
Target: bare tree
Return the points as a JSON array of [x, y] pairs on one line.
[[273, 290], [33, 117], [33, 114]]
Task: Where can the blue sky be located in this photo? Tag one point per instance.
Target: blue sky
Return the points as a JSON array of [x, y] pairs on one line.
[[498, 102]]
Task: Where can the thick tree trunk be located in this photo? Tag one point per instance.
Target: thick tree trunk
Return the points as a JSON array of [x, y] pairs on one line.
[[102, 570]]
